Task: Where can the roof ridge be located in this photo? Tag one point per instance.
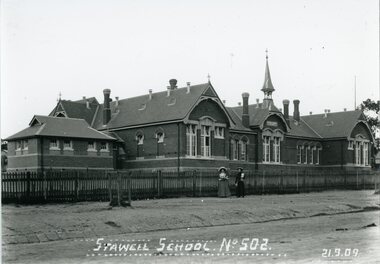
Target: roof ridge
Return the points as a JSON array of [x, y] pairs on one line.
[[61, 117]]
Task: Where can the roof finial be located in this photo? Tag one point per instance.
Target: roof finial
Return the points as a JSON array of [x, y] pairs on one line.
[[266, 54], [208, 77], [59, 96]]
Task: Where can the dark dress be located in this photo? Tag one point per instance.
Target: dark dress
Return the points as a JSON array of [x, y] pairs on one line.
[[223, 188], [240, 184]]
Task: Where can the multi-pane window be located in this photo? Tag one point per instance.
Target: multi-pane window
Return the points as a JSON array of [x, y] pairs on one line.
[[191, 140], [54, 143], [140, 139], [18, 145], [306, 149], [351, 144], [358, 151], [312, 155], [91, 145], [219, 132], [266, 149], [25, 143], [103, 146], [299, 154], [243, 150], [234, 149], [276, 149], [67, 144], [366, 156], [160, 137], [205, 141], [318, 155]]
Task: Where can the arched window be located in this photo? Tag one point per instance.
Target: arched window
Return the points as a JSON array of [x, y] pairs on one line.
[[244, 148], [140, 139]]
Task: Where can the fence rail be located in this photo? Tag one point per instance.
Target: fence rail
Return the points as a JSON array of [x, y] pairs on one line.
[[72, 186]]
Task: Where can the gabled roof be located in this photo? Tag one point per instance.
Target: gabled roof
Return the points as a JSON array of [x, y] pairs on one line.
[[339, 124], [237, 120], [141, 110], [78, 109], [59, 127], [301, 129], [257, 114]]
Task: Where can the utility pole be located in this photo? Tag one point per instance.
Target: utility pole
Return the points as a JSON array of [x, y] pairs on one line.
[[355, 93]]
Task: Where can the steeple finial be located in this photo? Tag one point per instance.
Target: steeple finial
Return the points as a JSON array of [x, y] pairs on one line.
[[208, 77], [268, 88]]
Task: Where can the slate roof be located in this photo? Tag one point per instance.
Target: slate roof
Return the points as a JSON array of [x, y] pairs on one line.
[[78, 109], [59, 127], [257, 115], [301, 129], [141, 110], [338, 124]]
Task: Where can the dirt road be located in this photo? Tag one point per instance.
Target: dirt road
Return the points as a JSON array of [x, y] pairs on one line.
[[341, 238]]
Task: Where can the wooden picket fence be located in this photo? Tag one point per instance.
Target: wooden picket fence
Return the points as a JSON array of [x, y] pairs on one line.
[[73, 186]]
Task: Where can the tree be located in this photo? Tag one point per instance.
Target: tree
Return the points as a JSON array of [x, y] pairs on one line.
[[371, 111]]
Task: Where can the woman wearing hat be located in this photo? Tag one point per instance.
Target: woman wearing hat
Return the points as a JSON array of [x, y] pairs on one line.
[[239, 182], [223, 185]]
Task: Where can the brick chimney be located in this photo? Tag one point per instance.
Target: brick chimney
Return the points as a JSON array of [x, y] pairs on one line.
[[296, 113], [173, 84], [106, 106], [245, 116], [150, 94], [286, 110]]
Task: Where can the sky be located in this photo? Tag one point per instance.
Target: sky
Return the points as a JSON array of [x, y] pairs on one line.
[[80, 47]]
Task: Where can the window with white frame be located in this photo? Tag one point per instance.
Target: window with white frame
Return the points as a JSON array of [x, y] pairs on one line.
[[54, 143], [317, 157], [25, 144], [140, 139], [219, 132], [350, 145], [18, 145], [91, 145], [306, 149], [366, 153], [67, 144], [276, 149], [358, 152], [160, 137], [191, 140], [234, 149], [312, 155], [266, 149], [104, 146], [243, 150], [299, 154], [205, 141]]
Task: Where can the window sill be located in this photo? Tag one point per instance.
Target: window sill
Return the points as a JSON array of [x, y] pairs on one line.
[[68, 149], [104, 150], [91, 150], [54, 148]]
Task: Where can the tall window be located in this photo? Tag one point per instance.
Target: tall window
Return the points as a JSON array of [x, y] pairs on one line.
[[205, 141], [160, 137], [18, 145], [25, 143], [366, 153], [299, 154], [276, 149], [317, 157], [312, 155], [266, 149], [306, 149], [140, 139], [191, 140], [243, 150], [358, 151]]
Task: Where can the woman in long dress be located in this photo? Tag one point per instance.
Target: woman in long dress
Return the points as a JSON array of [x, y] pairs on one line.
[[223, 184]]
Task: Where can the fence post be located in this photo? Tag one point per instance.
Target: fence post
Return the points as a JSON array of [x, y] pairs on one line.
[[159, 183], [76, 186], [297, 179], [118, 188], [194, 182], [129, 187], [200, 183], [263, 184], [28, 185], [109, 186], [44, 185], [357, 180]]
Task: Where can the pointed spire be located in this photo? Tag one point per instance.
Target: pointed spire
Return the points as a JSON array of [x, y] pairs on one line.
[[268, 86]]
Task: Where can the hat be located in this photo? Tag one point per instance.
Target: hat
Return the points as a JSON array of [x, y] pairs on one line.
[[222, 168], [240, 168]]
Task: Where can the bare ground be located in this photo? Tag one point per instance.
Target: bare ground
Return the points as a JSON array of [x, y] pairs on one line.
[[292, 223]]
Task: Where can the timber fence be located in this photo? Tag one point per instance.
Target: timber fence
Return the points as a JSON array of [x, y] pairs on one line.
[[73, 186]]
